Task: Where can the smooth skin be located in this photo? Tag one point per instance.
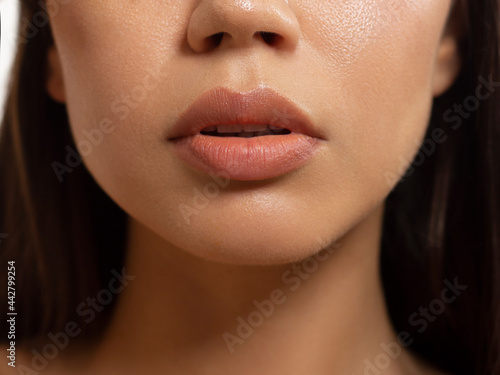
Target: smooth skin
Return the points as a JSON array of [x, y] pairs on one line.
[[365, 71]]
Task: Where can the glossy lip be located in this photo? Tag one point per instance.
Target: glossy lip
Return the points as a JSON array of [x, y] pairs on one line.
[[221, 106], [244, 159]]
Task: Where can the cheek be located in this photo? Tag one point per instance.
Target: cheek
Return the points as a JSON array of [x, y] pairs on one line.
[[118, 71], [379, 57]]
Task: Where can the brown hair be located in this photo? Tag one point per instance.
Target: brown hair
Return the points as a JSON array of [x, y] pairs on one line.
[[442, 220], [65, 237]]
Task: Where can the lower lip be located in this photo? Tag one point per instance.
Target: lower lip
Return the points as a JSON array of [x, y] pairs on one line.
[[247, 159]]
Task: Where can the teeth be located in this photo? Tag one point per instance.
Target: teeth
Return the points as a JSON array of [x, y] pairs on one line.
[[229, 128], [255, 134], [254, 128], [237, 128], [265, 132], [244, 131]]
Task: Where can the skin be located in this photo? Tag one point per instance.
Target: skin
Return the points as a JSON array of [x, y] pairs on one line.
[[364, 71]]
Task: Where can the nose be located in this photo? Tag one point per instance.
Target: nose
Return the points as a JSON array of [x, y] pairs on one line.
[[218, 24]]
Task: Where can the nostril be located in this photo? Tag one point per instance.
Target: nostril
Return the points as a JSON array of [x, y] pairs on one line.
[[269, 37], [215, 40]]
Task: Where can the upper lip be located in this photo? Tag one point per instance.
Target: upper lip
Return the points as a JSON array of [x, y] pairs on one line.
[[221, 106]]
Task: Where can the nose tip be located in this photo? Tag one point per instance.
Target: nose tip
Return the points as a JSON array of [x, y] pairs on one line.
[[218, 24]]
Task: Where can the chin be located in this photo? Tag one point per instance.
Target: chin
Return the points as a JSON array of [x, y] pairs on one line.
[[250, 242], [259, 248]]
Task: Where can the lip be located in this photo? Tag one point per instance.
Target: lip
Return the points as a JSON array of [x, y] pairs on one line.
[[245, 159]]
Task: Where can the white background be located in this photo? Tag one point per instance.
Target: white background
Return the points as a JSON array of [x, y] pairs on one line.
[[9, 13]]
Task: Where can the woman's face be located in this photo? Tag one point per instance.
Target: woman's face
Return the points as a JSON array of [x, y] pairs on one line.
[[363, 72]]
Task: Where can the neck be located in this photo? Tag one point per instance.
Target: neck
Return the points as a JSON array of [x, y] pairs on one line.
[[322, 315]]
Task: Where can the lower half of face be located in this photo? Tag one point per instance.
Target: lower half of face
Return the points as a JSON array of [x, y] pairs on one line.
[[360, 71]]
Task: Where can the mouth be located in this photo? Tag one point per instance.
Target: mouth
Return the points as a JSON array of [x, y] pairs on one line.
[[251, 136], [243, 131]]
